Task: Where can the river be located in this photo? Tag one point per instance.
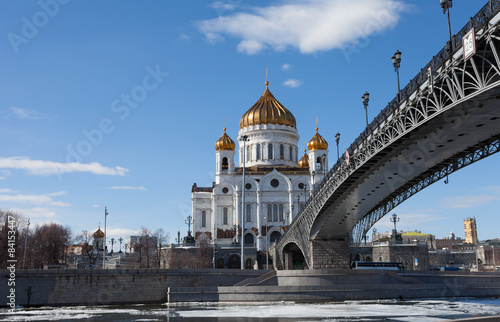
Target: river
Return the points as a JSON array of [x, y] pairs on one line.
[[383, 310]]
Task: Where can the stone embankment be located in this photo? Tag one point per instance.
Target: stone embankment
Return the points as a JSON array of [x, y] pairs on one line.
[[132, 286]]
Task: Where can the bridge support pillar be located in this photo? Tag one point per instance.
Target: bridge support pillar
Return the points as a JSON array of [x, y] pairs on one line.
[[329, 254]]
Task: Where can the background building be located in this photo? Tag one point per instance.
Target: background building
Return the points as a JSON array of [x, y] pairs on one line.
[[470, 230]]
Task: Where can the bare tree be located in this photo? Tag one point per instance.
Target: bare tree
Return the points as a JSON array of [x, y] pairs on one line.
[[161, 239], [49, 242], [86, 239], [13, 234]]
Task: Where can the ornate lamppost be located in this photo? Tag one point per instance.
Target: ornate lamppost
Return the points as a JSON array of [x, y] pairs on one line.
[[120, 240], [337, 139], [365, 98], [112, 242], [396, 62], [446, 5], [394, 220]]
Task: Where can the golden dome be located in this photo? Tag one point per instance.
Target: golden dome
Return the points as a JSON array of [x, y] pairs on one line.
[[98, 233], [267, 110], [224, 143], [317, 142], [304, 161]]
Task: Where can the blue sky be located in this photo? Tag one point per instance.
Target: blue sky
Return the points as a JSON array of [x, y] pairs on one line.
[[119, 103]]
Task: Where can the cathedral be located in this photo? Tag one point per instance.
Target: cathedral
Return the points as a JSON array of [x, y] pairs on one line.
[[277, 182]]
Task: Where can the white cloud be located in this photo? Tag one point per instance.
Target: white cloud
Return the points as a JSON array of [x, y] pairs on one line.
[[41, 167], [33, 200], [6, 190], [285, 66], [121, 232], [95, 206], [38, 212], [470, 201], [222, 6], [127, 188], [292, 83], [27, 114], [307, 25]]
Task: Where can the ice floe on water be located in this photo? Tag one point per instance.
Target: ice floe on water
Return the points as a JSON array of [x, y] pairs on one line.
[[384, 310]]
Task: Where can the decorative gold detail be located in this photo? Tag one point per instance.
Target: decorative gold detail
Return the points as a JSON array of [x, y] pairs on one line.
[[304, 161], [267, 110], [224, 143], [98, 234], [317, 142]]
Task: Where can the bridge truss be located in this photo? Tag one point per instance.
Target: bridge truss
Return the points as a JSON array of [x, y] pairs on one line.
[[447, 84]]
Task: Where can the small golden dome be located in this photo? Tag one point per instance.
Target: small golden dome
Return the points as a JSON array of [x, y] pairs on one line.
[[317, 142], [224, 143], [304, 161], [98, 234], [267, 110]]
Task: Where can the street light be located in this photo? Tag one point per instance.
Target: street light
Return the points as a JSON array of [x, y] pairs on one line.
[[267, 246], [396, 62], [446, 5], [394, 219], [365, 98], [120, 240], [112, 242], [243, 138], [105, 236], [26, 241], [337, 139]]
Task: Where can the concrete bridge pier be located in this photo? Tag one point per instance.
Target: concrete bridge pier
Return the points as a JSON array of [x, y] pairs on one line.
[[330, 253]]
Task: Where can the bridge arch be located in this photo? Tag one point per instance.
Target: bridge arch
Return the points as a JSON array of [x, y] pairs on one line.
[[293, 257]]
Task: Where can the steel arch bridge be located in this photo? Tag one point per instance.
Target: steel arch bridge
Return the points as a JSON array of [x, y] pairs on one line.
[[448, 117]]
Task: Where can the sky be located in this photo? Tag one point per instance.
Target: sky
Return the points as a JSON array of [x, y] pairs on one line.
[[118, 104]]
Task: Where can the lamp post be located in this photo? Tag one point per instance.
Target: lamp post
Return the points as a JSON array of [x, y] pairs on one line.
[[26, 242], [394, 220], [337, 139], [120, 240], [267, 246], [178, 239], [365, 98], [396, 62], [446, 5], [112, 242], [104, 245], [243, 138], [188, 222]]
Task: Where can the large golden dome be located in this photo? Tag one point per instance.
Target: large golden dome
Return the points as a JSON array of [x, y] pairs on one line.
[[267, 110], [224, 143], [304, 161], [317, 142]]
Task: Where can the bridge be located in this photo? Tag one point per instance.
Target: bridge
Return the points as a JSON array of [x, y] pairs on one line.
[[445, 119]]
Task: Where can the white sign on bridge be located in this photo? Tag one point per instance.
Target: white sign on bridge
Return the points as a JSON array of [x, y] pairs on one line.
[[469, 44]]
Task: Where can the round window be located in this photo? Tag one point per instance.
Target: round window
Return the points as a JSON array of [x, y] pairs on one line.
[[225, 190], [248, 186], [275, 183], [301, 186]]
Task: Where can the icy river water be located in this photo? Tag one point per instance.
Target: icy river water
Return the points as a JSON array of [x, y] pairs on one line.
[[384, 310]]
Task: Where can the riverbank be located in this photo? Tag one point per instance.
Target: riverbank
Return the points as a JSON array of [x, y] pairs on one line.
[[155, 286]]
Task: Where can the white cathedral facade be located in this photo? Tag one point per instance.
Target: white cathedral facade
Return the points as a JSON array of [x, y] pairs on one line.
[[276, 185]]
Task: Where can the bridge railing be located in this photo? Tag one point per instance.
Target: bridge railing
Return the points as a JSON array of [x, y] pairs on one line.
[[479, 21]]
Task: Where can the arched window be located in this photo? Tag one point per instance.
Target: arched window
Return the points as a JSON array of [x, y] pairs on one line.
[[203, 218], [249, 212], [224, 216], [275, 212], [291, 152], [282, 152], [225, 163], [281, 213], [269, 212], [318, 163], [270, 151], [275, 236], [258, 151], [248, 239]]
